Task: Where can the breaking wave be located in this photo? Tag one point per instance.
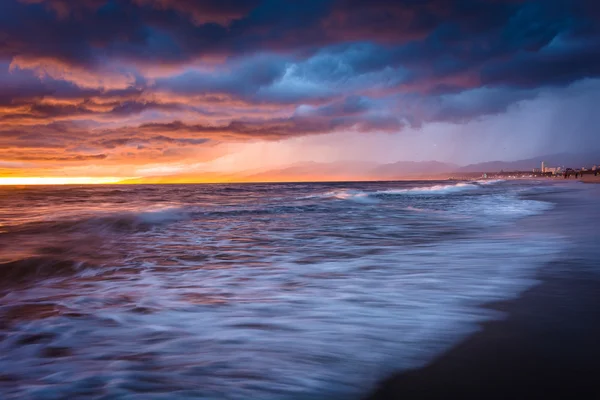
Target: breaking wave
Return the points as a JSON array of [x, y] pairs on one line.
[[432, 190], [371, 197], [500, 208], [358, 196], [125, 221], [490, 181]]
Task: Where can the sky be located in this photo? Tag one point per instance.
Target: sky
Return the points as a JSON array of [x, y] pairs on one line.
[[103, 90]]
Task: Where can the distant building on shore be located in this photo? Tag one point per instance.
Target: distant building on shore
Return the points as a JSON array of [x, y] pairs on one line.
[[549, 170]]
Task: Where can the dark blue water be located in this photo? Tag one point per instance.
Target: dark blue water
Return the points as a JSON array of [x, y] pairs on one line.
[[274, 291]]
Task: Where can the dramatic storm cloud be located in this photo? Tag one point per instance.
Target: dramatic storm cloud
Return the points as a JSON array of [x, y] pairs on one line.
[[118, 87]]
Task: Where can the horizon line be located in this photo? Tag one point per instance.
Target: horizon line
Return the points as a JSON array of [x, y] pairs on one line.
[[464, 176]]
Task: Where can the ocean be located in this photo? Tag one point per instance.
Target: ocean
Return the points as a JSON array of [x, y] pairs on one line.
[[254, 291]]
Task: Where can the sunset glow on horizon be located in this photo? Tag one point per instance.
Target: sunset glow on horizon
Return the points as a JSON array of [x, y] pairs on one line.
[[48, 180]]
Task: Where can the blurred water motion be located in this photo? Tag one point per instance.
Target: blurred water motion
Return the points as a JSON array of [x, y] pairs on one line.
[[279, 291]]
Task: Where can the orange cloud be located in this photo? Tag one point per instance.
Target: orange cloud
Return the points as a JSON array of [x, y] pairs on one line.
[[80, 76]]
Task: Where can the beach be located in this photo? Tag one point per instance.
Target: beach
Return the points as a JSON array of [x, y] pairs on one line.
[[591, 178], [548, 345]]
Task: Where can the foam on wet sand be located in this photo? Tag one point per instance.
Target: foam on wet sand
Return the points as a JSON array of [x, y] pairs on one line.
[[548, 346]]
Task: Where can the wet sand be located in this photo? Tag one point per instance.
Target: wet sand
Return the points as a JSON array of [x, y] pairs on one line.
[[591, 178], [549, 345]]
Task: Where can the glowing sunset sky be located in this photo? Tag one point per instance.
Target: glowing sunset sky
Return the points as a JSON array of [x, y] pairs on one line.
[[134, 88]]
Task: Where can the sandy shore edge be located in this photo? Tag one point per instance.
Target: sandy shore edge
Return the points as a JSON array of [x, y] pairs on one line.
[[591, 179], [549, 345]]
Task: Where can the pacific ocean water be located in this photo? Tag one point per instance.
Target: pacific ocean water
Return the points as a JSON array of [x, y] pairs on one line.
[[252, 291]]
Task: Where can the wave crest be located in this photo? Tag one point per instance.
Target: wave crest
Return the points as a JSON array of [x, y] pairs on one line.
[[432, 190], [126, 221], [490, 181], [349, 194]]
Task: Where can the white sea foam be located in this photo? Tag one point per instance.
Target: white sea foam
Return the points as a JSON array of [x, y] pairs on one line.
[[328, 329], [416, 209], [502, 207], [490, 181], [358, 196], [432, 190], [435, 190]]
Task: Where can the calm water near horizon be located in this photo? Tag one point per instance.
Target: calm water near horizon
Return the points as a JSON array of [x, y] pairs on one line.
[[253, 291]]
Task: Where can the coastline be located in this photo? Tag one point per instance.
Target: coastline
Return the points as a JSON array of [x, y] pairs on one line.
[[548, 344], [591, 179]]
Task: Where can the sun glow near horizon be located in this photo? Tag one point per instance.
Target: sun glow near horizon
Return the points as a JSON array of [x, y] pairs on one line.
[[39, 180]]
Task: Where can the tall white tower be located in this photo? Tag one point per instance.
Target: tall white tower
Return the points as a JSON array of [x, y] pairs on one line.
[[543, 168]]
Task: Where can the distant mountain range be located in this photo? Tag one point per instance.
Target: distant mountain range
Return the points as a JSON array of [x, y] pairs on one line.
[[412, 168], [360, 171], [352, 170], [314, 171]]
